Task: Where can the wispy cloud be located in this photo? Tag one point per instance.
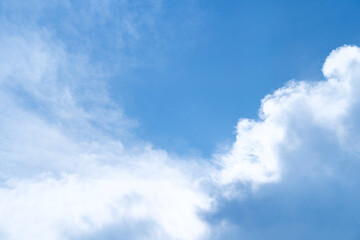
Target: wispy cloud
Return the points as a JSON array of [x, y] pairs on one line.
[[64, 174], [56, 181]]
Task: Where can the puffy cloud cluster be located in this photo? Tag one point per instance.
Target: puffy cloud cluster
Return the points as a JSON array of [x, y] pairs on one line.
[[296, 167], [293, 117]]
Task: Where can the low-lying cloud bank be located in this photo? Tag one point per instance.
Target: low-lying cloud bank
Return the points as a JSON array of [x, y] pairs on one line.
[[67, 171]]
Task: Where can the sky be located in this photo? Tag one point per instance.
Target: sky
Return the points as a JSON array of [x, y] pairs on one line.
[[187, 120]]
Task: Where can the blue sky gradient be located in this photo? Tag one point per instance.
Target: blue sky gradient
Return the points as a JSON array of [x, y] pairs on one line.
[[232, 54], [179, 119]]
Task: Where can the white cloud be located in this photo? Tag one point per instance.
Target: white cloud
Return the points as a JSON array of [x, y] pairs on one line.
[[294, 171], [68, 171], [265, 150], [64, 176], [48, 207]]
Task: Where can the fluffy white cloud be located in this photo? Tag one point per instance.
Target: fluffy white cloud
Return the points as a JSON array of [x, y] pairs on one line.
[[293, 117], [294, 171]]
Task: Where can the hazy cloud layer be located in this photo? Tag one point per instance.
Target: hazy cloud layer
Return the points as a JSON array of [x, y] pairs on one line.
[[63, 175]]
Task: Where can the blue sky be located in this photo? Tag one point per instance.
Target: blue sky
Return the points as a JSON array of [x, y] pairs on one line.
[[207, 67], [179, 119], [210, 74]]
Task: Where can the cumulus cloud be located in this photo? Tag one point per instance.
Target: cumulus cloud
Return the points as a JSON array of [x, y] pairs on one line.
[[290, 115], [299, 162]]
